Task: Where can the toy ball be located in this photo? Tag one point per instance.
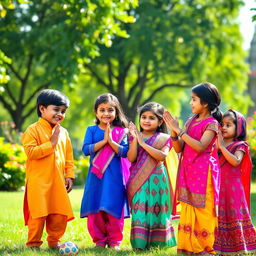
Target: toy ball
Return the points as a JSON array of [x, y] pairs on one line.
[[68, 248]]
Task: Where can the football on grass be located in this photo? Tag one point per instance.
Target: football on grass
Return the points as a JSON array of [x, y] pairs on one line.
[[68, 248]]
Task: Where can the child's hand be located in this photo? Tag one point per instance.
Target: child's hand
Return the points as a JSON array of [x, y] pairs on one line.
[[140, 139], [108, 130], [106, 134], [68, 184], [55, 135], [220, 141], [133, 130], [172, 123]]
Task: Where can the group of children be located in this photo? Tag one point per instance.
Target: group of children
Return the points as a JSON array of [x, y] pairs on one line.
[[128, 175]]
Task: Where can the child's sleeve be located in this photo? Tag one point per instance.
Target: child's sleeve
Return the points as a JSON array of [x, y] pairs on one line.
[[69, 161], [212, 126], [31, 147], [88, 145], [123, 147]]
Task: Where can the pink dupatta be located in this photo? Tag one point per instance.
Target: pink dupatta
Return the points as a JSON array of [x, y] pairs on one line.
[[141, 170], [106, 154]]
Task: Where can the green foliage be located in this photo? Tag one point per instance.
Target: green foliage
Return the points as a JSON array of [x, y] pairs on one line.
[[81, 170], [172, 45], [254, 16], [251, 129], [4, 78], [5, 4], [12, 166], [47, 41]]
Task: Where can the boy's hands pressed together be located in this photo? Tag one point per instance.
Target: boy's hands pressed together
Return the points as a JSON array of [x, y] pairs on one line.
[[68, 184], [55, 135]]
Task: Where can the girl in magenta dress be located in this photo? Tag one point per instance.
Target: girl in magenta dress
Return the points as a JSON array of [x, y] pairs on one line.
[[236, 234], [198, 176]]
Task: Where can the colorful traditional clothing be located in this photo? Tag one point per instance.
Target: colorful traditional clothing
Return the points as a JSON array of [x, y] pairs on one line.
[[198, 191], [104, 200], [236, 234], [149, 196], [46, 168]]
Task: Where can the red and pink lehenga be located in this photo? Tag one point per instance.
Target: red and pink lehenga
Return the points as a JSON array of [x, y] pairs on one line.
[[236, 234]]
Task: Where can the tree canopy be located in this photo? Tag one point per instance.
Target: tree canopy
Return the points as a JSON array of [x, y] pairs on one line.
[[175, 44], [47, 40]]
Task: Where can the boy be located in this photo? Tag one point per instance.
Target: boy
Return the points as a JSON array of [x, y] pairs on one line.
[[49, 171]]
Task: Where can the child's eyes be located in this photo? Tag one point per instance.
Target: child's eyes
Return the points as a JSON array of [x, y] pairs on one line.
[[108, 110]]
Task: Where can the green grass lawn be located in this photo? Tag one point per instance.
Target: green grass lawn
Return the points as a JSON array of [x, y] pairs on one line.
[[13, 233]]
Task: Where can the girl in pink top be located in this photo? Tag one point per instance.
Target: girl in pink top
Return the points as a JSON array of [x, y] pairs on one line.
[[236, 234], [198, 177]]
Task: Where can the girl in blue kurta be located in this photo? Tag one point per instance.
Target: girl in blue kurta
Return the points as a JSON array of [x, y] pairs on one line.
[[104, 199]]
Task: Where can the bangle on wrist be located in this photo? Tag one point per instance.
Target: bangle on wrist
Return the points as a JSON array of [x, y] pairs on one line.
[[181, 133], [174, 138]]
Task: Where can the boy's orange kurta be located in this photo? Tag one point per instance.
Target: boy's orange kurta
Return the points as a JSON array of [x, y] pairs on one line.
[[46, 170]]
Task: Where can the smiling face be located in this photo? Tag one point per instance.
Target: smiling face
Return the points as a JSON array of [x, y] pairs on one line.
[[228, 127], [106, 113], [149, 121], [196, 106], [53, 114]]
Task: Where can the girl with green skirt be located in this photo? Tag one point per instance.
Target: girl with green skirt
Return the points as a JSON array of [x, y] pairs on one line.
[[148, 187]]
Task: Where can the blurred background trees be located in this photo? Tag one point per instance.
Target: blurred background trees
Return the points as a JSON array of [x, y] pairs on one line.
[[46, 41], [174, 45]]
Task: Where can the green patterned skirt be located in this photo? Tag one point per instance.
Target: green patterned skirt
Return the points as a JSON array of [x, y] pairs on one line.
[[151, 213]]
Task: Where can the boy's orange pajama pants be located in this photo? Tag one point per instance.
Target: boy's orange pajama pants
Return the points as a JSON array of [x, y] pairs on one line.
[[55, 227]]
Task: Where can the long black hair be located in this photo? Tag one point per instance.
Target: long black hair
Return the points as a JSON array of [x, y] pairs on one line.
[[51, 97], [120, 119], [209, 94], [158, 110]]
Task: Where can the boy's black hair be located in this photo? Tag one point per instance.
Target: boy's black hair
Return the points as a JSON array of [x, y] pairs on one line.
[[158, 110], [51, 97]]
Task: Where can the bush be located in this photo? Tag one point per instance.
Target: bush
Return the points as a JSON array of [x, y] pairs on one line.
[[81, 170], [252, 141], [12, 166], [8, 131]]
